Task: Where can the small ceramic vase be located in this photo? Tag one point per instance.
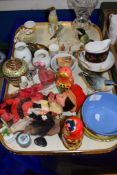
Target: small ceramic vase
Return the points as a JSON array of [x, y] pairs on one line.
[[41, 58], [22, 52], [13, 69], [72, 133]]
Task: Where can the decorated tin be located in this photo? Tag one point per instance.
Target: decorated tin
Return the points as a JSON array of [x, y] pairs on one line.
[[13, 69]]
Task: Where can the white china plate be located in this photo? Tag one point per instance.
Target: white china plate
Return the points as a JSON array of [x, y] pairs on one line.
[[97, 67], [54, 64]]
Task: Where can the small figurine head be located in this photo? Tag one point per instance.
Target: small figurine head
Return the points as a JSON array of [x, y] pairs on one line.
[[74, 128], [65, 72]]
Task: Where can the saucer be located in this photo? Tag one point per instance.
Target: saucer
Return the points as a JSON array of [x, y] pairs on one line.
[[97, 67], [54, 64], [99, 113]]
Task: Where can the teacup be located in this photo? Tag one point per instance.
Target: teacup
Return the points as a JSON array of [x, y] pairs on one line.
[[97, 57], [97, 51]]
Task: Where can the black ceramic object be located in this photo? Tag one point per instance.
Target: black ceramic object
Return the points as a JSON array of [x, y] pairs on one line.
[[40, 141]]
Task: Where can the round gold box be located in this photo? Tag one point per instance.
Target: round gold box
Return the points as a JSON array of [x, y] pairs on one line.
[[13, 69]]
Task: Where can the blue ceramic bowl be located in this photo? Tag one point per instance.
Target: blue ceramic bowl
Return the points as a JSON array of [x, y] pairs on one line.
[[99, 113]]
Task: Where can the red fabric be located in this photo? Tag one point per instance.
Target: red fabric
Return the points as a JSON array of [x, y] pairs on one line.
[[26, 106], [80, 96], [32, 93], [14, 109], [7, 116]]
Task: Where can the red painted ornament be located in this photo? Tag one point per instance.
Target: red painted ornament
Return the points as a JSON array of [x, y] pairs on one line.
[[64, 78], [72, 133]]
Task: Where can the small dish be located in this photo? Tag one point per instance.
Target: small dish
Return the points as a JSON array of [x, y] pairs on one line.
[[54, 63], [97, 67], [99, 113]]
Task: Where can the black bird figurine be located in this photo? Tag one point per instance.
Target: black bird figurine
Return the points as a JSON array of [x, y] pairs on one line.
[[83, 36], [97, 82]]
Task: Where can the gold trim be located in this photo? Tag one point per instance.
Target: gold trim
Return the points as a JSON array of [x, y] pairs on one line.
[[93, 136], [63, 152]]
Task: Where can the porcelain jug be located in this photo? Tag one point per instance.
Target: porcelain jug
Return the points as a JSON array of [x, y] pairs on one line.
[[22, 52]]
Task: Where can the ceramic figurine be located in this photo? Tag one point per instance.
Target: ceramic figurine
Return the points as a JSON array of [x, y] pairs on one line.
[[57, 32], [53, 20], [22, 52], [13, 69], [64, 78], [97, 82], [72, 133], [83, 36], [46, 76]]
